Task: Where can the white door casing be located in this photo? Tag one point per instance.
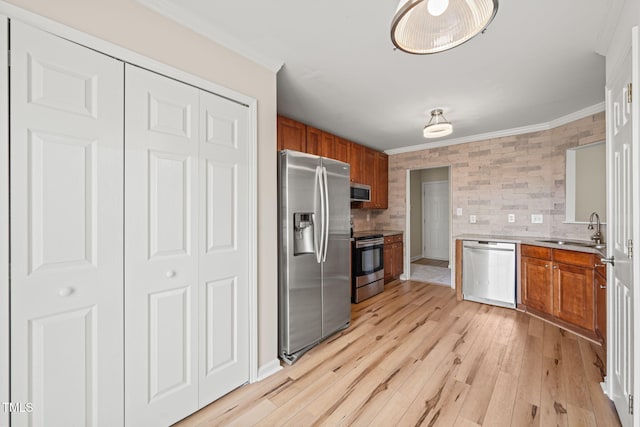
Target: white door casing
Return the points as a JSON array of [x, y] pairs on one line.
[[66, 227], [435, 220], [620, 122], [161, 248], [223, 247], [4, 218]]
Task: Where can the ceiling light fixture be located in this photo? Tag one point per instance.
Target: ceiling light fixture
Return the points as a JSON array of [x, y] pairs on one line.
[[431, 26], [438, 125]]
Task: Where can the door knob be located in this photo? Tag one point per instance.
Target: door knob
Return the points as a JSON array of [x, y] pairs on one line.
[[608, 261], [170, 273], [65, 292]]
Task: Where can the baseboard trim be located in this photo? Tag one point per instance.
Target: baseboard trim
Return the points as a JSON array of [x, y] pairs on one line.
[[268, 369], [415, 258]]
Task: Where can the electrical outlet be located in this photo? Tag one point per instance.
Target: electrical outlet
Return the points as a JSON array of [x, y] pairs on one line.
[[511, 218], [536, 219], [459, 212], [472, 219]]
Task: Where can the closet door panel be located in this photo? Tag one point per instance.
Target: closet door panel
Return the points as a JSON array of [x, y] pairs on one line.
[[161, 257], [224, 247], [66, 227]]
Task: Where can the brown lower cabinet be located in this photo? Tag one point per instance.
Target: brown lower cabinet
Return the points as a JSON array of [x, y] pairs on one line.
[[560, 286], [600, 283], [393, 257]]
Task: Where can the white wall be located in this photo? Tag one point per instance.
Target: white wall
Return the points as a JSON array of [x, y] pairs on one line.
[[416, 213], [134, 27], [591, 182]]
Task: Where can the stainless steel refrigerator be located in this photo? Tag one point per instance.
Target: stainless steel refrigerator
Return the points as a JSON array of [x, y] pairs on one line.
[[314, 250]]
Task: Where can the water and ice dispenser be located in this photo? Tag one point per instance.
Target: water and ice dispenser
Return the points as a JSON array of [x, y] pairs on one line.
[[303, 233]]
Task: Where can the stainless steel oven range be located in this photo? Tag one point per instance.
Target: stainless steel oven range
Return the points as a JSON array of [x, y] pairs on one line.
[[367, 277]]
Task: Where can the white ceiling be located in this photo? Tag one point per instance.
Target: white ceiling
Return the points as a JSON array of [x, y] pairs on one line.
[[535, 64]]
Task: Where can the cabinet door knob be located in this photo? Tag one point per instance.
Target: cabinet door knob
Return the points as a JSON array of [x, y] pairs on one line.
[[603, 286], [170, 274], [546, 266], [65, 292], [555, 267]]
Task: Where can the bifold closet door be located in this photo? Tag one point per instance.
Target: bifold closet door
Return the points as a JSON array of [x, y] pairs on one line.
[[186, 248], [224, 246], [161, 248], [66, 154]]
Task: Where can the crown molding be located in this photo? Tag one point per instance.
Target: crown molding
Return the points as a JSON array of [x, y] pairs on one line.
[[585, 112], [195, 23]]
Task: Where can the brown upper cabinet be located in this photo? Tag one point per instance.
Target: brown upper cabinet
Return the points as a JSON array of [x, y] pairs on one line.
[[314, 141], [356, 160], [291, 135], [381, 190], [319, 142], [376, 174], [340, 150], [367, 166]]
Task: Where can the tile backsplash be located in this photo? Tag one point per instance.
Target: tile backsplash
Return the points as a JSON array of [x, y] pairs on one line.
[[521, 175]]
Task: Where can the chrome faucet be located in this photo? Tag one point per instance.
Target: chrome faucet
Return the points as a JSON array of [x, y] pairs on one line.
[[597, 236]]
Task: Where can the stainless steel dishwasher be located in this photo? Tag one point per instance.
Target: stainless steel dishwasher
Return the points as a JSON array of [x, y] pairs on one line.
[[489, 272]]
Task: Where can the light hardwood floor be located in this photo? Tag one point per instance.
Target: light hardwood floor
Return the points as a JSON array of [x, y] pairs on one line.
[[413, 355]]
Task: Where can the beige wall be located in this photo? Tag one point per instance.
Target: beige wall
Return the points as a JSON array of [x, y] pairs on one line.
[[521, 174], [130, 25]]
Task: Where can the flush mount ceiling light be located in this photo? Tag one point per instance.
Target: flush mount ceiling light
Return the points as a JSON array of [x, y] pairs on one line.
[[438, 125], [431, 26]]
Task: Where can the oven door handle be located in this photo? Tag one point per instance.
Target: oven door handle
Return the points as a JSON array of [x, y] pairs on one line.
[[369, 243]]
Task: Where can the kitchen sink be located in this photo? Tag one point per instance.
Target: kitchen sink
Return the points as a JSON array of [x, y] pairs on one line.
[[575, 243]]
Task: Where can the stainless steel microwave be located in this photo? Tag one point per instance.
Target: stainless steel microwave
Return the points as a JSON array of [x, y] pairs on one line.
[[360, 193]]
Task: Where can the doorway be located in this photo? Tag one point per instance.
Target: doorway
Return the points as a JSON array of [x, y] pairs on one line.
[[429, 225]]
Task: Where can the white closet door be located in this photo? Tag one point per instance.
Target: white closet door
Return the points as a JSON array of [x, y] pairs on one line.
[[161, 255], [66, 232], [224, 246]]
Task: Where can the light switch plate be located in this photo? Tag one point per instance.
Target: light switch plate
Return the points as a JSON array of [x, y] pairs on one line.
[[536, 219], [511, 218], [459, 212], [472, 219]]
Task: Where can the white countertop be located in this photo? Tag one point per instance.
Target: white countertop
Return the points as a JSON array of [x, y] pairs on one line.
[[536, 241]]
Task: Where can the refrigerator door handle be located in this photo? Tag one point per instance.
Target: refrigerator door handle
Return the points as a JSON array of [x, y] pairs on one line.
[[319, 184], [325, 224]]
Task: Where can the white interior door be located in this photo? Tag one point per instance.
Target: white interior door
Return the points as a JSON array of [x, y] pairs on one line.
[[66, 232], [435, 220], [223, 247], [161, 248], [620, 231]]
